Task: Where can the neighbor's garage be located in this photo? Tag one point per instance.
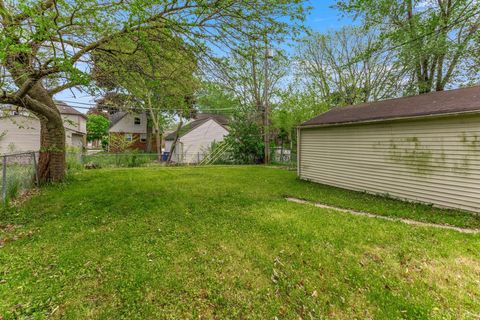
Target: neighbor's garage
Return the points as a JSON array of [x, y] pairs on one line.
[[422, 148]]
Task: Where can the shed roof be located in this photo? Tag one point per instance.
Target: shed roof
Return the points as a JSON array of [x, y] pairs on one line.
[[201, 119], [435, 103]]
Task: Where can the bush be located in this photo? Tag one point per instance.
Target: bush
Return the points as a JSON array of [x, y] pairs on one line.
[[245, 137]]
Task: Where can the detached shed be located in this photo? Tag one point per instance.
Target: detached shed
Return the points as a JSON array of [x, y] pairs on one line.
[[422, 148]]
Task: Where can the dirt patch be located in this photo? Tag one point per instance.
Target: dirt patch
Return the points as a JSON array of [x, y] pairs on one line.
[[21, 199]]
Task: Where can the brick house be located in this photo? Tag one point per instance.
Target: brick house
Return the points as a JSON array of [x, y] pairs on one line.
[[131, 127]]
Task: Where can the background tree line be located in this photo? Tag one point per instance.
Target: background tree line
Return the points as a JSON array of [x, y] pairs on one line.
[[172, 59], [396, 48]]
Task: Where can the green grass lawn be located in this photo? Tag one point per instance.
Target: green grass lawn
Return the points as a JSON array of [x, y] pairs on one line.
[[222, 243]]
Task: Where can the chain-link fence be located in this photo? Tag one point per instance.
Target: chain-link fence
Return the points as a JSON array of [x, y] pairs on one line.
[[284, 156], [131, 160], [18, 174]]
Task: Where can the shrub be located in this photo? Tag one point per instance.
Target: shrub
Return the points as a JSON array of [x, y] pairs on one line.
[[246, 139]]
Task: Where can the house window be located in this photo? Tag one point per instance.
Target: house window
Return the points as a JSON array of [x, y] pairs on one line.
[[137, 120], [128, 137], [143, 137]]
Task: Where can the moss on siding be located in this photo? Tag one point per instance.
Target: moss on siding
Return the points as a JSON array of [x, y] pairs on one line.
[[420, 159], [471, 144], [411, 153]]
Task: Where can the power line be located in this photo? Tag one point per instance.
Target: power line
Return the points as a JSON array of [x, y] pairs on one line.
[[83, 105]]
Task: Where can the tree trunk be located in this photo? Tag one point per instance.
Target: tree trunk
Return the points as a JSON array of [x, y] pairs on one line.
[[149, 137], [158, 141], [51, 164], [174, 145]]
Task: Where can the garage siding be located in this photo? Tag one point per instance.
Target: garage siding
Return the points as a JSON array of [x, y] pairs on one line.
[[435, 161]]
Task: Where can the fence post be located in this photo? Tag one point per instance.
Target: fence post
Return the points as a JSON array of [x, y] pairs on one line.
[[4, 179], [35, 167]]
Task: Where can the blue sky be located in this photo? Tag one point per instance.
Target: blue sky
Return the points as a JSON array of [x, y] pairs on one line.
[[322, 18]]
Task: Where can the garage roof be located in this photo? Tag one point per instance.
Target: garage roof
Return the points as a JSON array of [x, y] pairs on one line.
[[435, 103]]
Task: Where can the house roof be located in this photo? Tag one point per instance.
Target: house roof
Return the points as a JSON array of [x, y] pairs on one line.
[[436, 103], [116, 117], [62, 107], [66, 109], [200, 119]]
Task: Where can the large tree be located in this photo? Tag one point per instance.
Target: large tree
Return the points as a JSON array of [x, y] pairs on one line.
[[253, 74], [46, 46], [436, 40], [296, 104], [156, 70], [346, 67], [213, 98], [243, 73]]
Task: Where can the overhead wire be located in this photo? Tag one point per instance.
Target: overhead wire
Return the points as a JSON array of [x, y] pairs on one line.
[[83, 106]]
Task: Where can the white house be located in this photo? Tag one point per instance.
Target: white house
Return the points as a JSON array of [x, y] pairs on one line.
[[20, 130], [75, 125], [196, 138]]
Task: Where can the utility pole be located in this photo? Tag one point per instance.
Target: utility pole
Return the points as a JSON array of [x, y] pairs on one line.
[[266, 107]]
